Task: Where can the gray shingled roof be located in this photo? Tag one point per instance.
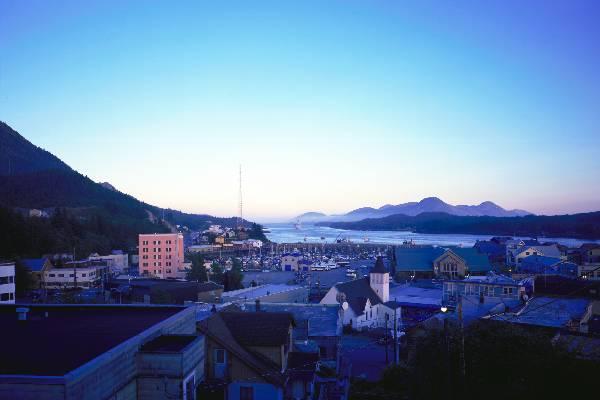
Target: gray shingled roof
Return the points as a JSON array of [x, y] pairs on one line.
[[322, 318]]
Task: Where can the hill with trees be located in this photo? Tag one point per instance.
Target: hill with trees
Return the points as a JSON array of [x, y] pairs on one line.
[[584, 225], [83, 214]]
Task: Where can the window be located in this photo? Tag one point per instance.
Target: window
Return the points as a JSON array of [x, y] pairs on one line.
[[322, 352], [61, 275], [507, 290], [4, 297], [145, 265], [246, 393], [71, 275], [51, 275], [168, 271], [84, 275], [145, 271], [219, 356]]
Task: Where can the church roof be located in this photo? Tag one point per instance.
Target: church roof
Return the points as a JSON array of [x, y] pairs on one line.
[[357, 292], [379, 268]]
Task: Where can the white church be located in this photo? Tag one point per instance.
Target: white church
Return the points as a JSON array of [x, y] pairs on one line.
[[365, 302]]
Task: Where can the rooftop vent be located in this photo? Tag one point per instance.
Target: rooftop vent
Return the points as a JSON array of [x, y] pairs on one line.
[[22, 313]]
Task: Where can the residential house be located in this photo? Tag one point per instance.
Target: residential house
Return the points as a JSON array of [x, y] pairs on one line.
[[542, 265], [590, 253], [37, 269], [248, 353], [486, 292], [439, 262], [7, 283], [517, 250], [320, 324], [495, 248], [589, 271], [99, 352]]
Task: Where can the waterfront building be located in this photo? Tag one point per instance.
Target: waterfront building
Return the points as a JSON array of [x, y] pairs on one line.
[[291, 261], [161, 255], [439, 262]]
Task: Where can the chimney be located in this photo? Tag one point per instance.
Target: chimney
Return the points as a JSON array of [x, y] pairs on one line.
[[22, 313], [257, 303]]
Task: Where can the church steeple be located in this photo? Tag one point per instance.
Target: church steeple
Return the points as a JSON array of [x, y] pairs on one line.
[[379, 280]]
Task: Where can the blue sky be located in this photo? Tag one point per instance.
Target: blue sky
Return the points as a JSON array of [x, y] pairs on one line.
[[328, 105]]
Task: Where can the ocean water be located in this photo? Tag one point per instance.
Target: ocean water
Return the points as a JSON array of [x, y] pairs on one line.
[[287, 233]]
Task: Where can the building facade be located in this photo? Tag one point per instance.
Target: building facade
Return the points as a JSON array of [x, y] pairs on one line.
[[161, 255], [7, 283], [62, 278], [291, 261], [117, 261]]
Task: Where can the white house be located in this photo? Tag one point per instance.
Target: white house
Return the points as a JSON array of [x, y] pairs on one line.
[[7, 283], [518, 249]]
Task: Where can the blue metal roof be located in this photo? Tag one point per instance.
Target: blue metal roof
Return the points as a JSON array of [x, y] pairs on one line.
[[540, 261], [416, 258], [34, 264], [422, 258], [476, 261]]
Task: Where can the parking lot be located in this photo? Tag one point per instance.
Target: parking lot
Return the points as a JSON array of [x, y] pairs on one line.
[[324, 278]]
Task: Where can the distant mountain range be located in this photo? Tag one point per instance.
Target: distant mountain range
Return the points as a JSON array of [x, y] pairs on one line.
[[427, 205], [584, 226], [31, 177]]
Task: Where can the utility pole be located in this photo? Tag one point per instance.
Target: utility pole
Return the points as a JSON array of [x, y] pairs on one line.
[[74, 270], [387, 317], [462, 340], [395, 337]]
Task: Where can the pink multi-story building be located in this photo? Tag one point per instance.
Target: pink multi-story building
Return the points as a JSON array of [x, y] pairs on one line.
[[161, 254]]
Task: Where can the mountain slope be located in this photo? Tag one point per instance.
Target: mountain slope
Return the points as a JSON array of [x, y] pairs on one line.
[[585, 225], [95, 214], [428, 204]]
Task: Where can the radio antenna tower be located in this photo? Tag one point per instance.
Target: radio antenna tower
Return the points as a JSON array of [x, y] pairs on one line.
[[240, 223]]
